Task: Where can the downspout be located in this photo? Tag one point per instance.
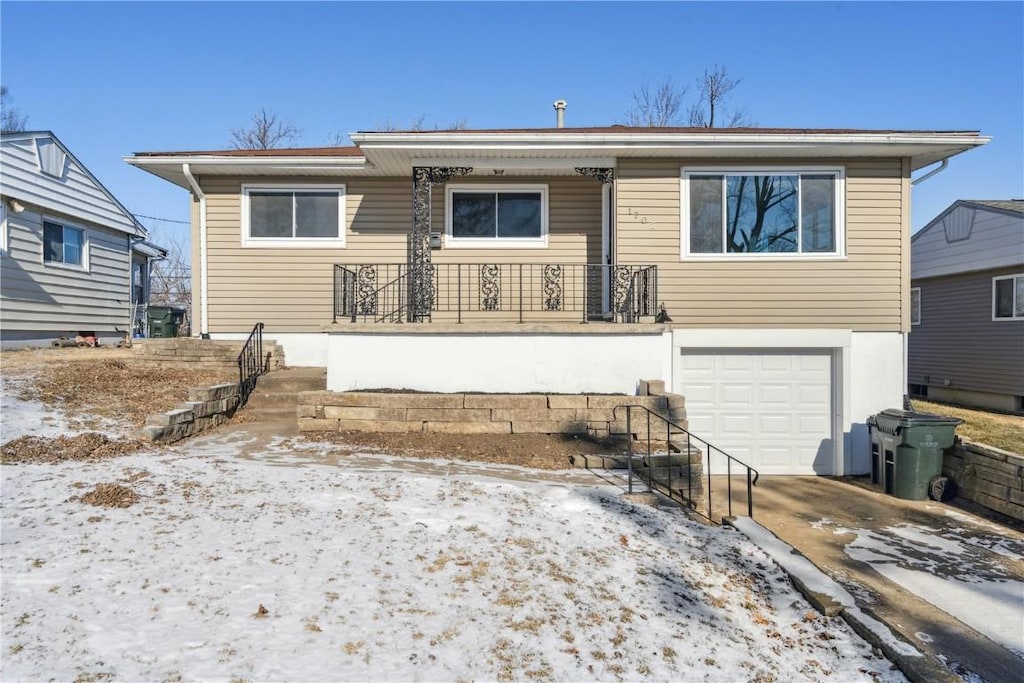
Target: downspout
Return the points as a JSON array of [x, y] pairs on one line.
[[204, 317], [935, 171]]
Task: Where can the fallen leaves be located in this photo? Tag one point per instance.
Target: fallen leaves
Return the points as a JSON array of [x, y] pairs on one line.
[[87, 446], [110, 496]]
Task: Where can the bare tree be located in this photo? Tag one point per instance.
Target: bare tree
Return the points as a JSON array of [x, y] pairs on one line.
[[267, 130], [419, 124], [388, 125], [170, 280], [11, 120], [656, 106], [714, 88]]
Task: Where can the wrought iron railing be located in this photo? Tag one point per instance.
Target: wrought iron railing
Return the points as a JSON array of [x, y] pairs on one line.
[[670, 456], [510, 291], [251, 363]]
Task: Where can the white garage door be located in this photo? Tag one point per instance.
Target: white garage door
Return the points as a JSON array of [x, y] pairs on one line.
[[770, 409]]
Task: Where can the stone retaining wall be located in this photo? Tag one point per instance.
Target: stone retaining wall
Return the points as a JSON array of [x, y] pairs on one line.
[[469, 413], [199, 352], [989, 476], [206, 408]]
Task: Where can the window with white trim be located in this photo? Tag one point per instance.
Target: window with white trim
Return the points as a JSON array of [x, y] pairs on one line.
[[496, 215], [762, 212], [915, 306], [293, 215], [64, 244], [1008, 297]]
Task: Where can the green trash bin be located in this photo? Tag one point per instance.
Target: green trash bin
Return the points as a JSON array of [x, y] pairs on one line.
[[163, 321], [906, 452]]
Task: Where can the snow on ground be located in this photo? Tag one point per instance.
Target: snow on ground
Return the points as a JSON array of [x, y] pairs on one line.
[[32, 418], [379, 571], [974, 589]]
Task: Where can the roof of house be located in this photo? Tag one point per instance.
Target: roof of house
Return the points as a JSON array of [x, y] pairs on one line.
[[969, 235], [355, 150], [130, 225], [350, 151], [1014, 205], [395, 153]]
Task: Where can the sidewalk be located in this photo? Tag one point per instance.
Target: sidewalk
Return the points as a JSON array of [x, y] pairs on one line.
[[948, 582]]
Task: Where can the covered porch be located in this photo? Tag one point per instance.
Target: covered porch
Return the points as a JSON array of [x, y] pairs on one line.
[[530, 246]]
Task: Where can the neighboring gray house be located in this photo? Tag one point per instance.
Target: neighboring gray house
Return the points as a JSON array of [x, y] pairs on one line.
[[967, 306], [67, 247]]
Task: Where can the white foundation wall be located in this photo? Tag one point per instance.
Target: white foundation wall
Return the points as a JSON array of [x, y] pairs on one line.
[[301, 349], [877, 380], [496, 363]]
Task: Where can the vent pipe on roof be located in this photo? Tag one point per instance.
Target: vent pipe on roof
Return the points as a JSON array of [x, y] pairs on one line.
[[559, 106]]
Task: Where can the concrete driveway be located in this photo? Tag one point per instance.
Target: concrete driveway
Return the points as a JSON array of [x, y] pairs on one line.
[[947, 581]]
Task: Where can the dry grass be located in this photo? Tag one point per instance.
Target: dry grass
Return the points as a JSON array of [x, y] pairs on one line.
[[994, 429], [106, 384]]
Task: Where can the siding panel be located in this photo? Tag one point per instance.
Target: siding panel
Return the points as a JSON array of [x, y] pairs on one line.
[[958, 341], [46, 297], [291, 289], [863, 292]]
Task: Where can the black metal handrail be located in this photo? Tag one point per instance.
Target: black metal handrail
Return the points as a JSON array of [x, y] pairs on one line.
[[251, 363], [383, 292], [673, 433]]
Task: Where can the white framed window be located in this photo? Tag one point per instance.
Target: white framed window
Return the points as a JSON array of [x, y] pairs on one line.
[[65, 245], [1008, 297], [496, 215], [915, 305], [763, 212], [293, 215]]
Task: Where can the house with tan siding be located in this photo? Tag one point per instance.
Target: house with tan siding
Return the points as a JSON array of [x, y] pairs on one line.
[[73, 259], [762, 273], [967, 306]]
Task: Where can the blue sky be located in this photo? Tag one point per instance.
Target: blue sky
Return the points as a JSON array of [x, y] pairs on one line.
[[115, 78]]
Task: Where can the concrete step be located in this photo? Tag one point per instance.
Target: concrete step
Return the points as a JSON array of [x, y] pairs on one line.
[[678, 459], [272, 414], [275, 398], [676, 475]]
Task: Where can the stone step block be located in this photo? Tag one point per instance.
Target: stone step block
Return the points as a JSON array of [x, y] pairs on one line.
[[559, 402], [400, 426], [507, 401], [449, 414], [380, 414], [548, 427], [468, 427], [534, 414]]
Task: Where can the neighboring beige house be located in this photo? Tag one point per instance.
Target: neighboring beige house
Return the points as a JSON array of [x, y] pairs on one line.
[[967, 306], [67, 247], [762, 273]]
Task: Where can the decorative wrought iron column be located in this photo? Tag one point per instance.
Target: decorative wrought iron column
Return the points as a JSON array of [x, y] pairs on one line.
[[421, 273], [605, 175]]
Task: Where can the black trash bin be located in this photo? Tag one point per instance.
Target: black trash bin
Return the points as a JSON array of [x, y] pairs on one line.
[[164, 321], [906, 452]]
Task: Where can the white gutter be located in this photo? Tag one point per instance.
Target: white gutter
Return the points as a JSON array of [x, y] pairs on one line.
[[935, 171], [204, 316]]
